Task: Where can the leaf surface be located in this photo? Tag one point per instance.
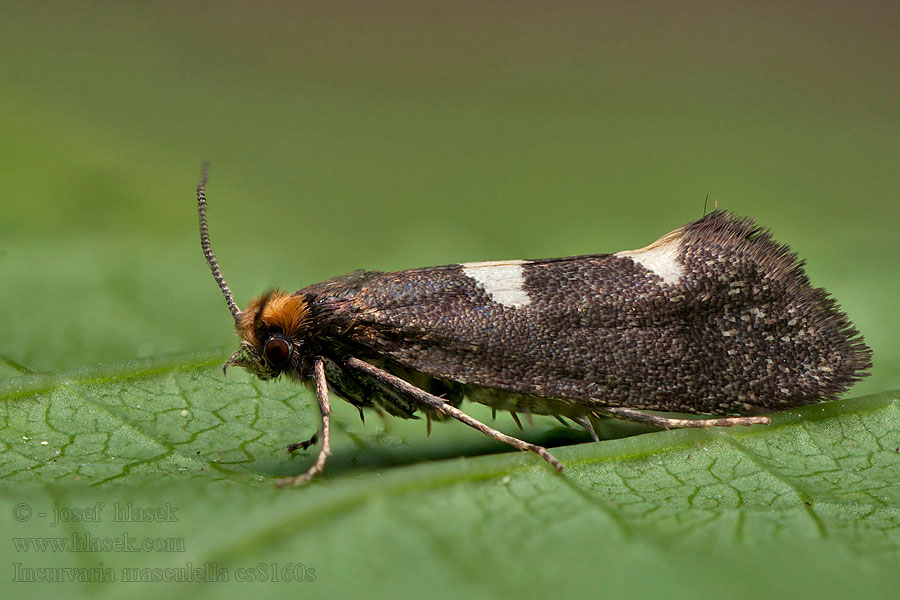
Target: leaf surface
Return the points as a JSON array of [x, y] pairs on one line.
[[694, 509]]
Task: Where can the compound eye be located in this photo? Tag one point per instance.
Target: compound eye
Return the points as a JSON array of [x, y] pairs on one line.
[[277, 351]]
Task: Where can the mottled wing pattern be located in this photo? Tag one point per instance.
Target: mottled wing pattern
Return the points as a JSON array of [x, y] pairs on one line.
[[715, 316]]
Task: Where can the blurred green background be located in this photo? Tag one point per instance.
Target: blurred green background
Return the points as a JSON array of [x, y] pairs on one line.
[[345, 137], [405, 134]]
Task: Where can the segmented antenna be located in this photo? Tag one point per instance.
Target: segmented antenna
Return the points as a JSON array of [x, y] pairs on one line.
[[207, 248]]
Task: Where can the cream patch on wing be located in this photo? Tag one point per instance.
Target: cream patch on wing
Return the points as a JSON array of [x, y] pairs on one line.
[[502, 280], [660, 257]]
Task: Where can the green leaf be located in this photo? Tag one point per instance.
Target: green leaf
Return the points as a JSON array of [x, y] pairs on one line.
[[676, 512]]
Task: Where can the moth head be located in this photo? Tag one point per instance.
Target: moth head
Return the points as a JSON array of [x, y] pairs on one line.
[[272, 327], [272, 330]]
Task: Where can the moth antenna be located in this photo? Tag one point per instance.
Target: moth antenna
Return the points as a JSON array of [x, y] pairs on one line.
[[207, 248]]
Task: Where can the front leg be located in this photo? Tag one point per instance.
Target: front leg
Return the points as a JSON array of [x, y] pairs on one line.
[[325, 410], [429, 401]]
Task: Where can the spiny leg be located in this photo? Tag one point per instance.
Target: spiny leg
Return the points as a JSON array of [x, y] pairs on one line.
[[433, 402], [528, 416], [595, 422], [325, 410], [304, 444], [630, 414], [588, 426]]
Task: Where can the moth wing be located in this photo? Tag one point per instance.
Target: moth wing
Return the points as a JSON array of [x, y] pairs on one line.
[[714, 317]]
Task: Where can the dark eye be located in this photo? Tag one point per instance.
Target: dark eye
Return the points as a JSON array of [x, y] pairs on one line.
[[278, 352]]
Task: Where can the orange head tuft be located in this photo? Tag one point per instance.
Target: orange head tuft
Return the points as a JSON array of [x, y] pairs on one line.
[[271, 330], [274, 310]]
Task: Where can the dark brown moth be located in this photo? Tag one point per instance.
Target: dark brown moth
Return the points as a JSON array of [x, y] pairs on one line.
[[712, 318]]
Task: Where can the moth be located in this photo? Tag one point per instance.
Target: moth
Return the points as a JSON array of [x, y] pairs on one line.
[[713, 318]]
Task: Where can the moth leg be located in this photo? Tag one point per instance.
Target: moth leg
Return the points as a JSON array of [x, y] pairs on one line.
[[325, 409], [304, 444], [588, 425], [433, 402], [630, 414]]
